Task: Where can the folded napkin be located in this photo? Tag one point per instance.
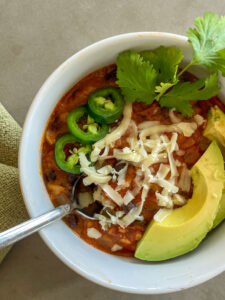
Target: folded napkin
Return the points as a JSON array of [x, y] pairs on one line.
[[12, 209]]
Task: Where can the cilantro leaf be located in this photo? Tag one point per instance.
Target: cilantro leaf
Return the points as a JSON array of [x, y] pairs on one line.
[[162, 88], [182, 93], [208, 42], [165, 61], [136, 77]]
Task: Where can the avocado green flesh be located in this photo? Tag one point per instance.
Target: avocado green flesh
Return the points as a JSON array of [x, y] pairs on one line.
[[185, 227], [221, 212], [215, 130]]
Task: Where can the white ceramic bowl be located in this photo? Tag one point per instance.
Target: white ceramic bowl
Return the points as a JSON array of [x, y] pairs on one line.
[[123, 274]]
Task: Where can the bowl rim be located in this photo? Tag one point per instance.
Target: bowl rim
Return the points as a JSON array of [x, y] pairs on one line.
[[46, 239]]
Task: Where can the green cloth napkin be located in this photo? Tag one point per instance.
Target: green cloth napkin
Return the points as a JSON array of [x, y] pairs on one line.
[[12, 209]]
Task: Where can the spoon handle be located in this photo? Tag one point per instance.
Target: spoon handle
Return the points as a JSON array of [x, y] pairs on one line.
[[26, 228]]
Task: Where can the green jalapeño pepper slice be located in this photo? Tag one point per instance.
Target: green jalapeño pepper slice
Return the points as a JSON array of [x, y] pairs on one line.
[[105, 105], [88, 133], [71, 163]]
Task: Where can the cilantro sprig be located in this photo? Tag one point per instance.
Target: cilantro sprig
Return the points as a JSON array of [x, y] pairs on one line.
[[181, 95], [153, 75], [208, 41], [165, 61], [136, 77]]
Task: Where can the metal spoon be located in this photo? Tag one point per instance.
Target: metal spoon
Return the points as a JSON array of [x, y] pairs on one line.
[[24, 229]]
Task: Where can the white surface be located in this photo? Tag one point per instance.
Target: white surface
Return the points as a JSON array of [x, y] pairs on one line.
[[114, 272]]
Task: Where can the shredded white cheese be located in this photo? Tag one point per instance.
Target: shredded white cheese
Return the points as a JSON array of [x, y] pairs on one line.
[[187, 128], [116, 247], [157, 129], [184, 127], [127, 154], [115, 134], [174, 119], [163, 171], [146, 145], [185, 180], [98, 196], [128, 197], [134, 213], [147, 124], [119, 219], [161, 214], [179, 200], [121, 175], [164, 200], [92, 175], [106, 170], [112, 194], [93, 233], [180, 152], [164, 183], [199, 120]]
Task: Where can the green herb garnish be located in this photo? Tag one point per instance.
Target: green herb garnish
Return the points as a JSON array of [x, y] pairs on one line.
[[182, 93], [136, 77], [208, 41], [165, 61], [153, 75]]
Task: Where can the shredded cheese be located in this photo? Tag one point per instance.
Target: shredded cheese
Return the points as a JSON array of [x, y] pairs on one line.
[[164, 200], [93, 233], [180, 152], [147, 124], [116, 247], [163, 171], [199, 120], [146, 144], [128, 197], [174, 119], [164, 183], [112, 194], [92, 175], [161, 214], [184, 127], [187, 128], [179, 200], [134, 213], [115, 134], [185, 180]]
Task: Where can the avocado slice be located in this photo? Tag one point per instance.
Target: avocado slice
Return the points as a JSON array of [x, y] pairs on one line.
[[215, 130], [221, 212], [182, 230]]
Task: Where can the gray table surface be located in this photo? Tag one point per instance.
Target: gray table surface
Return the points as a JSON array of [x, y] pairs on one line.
[[35, 37]]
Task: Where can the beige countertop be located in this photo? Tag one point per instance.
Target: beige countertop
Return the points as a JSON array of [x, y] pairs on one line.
[[37, 36]]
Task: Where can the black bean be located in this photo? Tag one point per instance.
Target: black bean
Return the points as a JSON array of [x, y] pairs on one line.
[[93, 208], [61, 199], [72, 220], [83, 188], [72, 177], [128, 207], [111, 75], [56, 123], [51, 176], [119, 166]]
